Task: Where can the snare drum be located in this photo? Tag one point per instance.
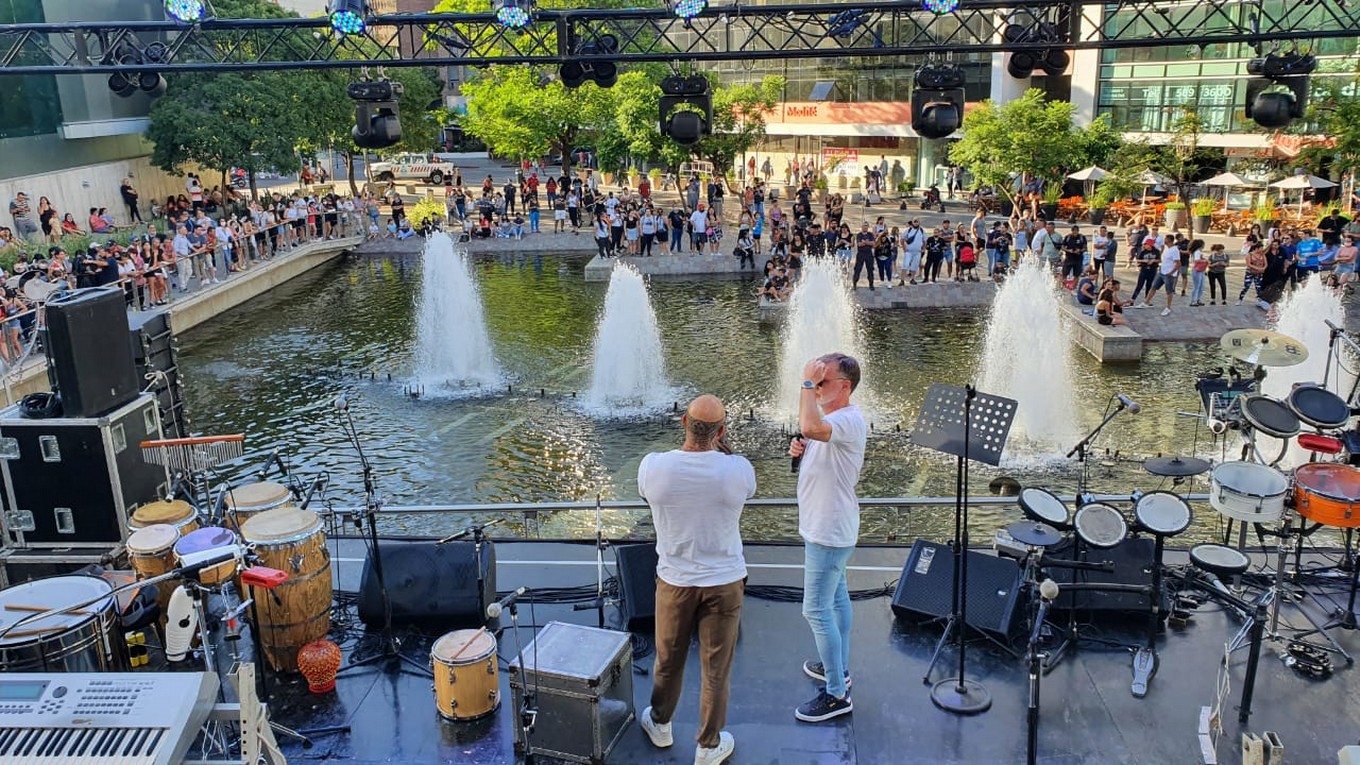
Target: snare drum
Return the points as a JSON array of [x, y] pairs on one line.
[[177, 513], [1100, 525], [1162, 513], [210, 538], [1248, 492], [1269, 416], [1318, 406], [253, 498], [1328, 493], [1044, 506], [84, 641], [466, 685], [292, 541], [1219, 559], [151, 551]]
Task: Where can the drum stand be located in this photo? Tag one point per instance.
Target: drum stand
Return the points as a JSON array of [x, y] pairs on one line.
[[1343, 618], [1280, 588]]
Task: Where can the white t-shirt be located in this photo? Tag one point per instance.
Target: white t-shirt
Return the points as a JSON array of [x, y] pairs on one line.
[[1171, 259], [696, 500], [828, 511], [699, 219], [1101, 245]]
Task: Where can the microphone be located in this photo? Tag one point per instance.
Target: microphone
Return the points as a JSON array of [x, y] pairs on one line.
[[1048, 592], [794, 462], [316, 485], [191, 564], [341, 403], [272, 461], [1128, 403], [494, 610], [223, 490]]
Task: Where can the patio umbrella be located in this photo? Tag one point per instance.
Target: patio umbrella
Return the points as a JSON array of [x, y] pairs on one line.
[[1088, 177], [1150, 178], [1301, 182], [1227, 180]]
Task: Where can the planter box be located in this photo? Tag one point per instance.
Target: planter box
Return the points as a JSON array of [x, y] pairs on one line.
[[1202, 223], [1049, 211], [1175, 219], [1096, 215]]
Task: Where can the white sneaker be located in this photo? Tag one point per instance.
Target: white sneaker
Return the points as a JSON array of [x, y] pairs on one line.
[[1166, 311], [659, 734], [717, 754], [1140, 305], [889, 285]]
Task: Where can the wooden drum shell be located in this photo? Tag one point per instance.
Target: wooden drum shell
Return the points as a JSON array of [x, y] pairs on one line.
[[466, 678], [294, 542]]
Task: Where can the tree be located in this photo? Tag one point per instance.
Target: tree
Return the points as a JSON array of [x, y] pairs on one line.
[[738, 119], [1334, 112], [1098, 143], [1027, 137]]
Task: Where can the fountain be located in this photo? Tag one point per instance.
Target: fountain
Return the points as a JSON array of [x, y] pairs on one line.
[[821, 319], [629, 376], [1025, 357], [1302, 315], [453, 349]]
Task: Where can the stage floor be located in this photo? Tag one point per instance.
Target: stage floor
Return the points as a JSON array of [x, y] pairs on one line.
[[1088, 714]]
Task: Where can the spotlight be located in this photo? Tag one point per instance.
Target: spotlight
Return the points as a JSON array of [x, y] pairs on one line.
[[941, 7], [187, 11], [686, 127], [151, 84], [937, 100], [688, 9], [348, 17], [1278, 94], [513, 14], [1053, 61], [126, 84], [122, 85], [377, 123], [574, 74]]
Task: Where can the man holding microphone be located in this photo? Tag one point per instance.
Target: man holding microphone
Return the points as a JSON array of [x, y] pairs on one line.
[[831, 453], [697, 493]]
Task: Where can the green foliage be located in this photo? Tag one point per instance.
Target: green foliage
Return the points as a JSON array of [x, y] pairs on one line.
[[1053, 192], [427, 208], [1265, 209], [1203, 207], [1175, 205], [1102, 197], [1334, 108], [1097, 143], [517, 115], [1028, 136], [738, 119]]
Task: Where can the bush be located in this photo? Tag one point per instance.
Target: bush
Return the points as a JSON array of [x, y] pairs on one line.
[[1052, 193], [1203, 207], [1175, 205]]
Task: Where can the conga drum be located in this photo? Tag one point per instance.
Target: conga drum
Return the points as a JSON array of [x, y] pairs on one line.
[[253, 499], [176, 512], [292, 541], [151, 552], [466, 684], [203, 540]]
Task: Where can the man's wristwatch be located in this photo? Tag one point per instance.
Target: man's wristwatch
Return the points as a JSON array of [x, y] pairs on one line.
[[809, 385]]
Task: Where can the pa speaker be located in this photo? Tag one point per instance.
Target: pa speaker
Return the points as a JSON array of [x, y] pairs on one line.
[[430, 585], [637, 585], [925, 590], [89, 359], [1132, 559]]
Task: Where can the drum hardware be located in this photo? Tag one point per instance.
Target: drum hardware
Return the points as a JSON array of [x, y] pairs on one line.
[[1308, 661], [1222, 560], [477, 530], [1176, 466], [1281, 592], [1102, 523], [1163, 515]]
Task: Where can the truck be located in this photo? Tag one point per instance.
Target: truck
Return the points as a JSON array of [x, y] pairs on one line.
[[407, 167]]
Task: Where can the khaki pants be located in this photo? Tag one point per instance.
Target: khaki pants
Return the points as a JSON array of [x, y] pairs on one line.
[[716, 613]]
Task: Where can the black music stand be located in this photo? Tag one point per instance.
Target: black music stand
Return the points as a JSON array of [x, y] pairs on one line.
[[947, 423]]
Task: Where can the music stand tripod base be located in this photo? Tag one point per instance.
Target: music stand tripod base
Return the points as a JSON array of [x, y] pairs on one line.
[[964, 697]]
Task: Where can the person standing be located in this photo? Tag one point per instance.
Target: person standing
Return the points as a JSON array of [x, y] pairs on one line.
[[129, 194], [864, 255], [1169, 270], [831, 448], [696, 494]]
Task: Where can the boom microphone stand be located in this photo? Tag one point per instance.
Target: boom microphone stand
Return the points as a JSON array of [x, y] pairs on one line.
[[391, 645]]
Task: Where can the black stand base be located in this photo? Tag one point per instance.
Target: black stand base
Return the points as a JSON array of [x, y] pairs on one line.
[[390, 650], [962, 697]]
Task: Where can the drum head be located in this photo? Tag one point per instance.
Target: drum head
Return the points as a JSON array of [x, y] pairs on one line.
[[1044, 506], [281, 524], [152, 539], [1218, 559], [1330, 479], [1162, 513], [1318, 406], [1251, 478], [210, 538], [1100, 525], [53, 592], [463, 646], [171, 512], [1270, 416], [256, 495]]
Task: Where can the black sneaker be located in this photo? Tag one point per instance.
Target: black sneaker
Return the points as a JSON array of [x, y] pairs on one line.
[[824, 707], [816, 671]]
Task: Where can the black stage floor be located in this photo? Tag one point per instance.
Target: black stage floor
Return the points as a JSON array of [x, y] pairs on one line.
[[1088, 714]]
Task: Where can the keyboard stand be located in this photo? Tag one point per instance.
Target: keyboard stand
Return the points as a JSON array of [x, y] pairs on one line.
[[252, 716]]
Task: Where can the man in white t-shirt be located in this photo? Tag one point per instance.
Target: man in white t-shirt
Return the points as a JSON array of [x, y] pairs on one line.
[[696, 494], [1167, 274], [831, 448]]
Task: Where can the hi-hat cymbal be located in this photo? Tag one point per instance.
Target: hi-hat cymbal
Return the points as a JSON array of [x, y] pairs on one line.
[[1176, 467], [1034, 534], [1263, 347]]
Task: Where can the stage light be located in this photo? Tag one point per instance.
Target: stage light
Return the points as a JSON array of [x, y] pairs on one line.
[[574, 74], [688, 9], [686, 126], [1278, 93], [187, 11], [513, 14], [377, 123], [937, 100], [941, 7], [348, 17]]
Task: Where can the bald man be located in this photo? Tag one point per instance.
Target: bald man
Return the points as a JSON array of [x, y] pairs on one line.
[[696, 494]]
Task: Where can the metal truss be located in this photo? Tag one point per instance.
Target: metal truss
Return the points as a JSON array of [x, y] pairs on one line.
[[736, 32]]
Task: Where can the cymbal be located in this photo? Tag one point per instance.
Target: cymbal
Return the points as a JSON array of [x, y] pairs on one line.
[[1176, 467], [1263, 347], [1034, 534]]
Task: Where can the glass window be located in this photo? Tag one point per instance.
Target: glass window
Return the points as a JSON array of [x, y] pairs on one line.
[[31, 105]]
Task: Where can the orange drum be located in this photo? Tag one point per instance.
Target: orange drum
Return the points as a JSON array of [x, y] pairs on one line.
[[1328, 493], [176, 512]]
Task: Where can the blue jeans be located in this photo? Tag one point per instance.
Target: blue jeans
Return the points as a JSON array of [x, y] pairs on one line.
[[1196, 286], [826, 606]]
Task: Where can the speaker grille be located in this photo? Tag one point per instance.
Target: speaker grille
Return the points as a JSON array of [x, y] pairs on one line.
[[926, 589], [430, 586]]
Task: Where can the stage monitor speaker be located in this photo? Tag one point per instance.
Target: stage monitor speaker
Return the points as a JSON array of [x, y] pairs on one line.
[[926, 589], [90, 361], [1132, 561], [430, 586], [157, 365], [637, 585]]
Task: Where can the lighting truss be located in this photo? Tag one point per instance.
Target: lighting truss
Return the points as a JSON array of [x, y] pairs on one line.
[[721, 34]]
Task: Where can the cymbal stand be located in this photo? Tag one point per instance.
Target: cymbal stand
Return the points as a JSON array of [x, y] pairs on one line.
[[1280, 588]]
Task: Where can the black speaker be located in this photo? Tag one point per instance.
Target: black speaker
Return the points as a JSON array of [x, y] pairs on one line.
[[637, 585], [1132, 561], [926, 589], [430, 585], [153, 351], [89, 360]]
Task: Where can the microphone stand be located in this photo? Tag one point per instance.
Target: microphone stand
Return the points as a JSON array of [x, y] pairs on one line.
[[1081, 450], [390, 644], [1035, 657]]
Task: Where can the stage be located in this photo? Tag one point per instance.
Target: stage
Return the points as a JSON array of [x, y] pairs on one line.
[[1087, 714]]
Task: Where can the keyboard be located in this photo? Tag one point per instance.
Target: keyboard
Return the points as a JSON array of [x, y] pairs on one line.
[[117, 718]]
